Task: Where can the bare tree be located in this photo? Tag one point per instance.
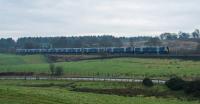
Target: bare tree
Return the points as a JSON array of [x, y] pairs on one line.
[[196, 33], [131, 42], [153, 42]]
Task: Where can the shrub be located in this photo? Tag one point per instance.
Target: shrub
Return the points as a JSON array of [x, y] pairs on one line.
[[147, 82], [52, 69], [59, 71], [175, 84], [193, 88]]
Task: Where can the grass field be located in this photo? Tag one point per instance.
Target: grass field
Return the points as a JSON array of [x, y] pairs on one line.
[[11, 92], [125, 66], [8, 59]]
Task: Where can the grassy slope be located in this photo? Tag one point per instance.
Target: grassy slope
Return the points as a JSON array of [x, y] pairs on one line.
[[7, 59], [156, 67], [135, 66], [10, 93]]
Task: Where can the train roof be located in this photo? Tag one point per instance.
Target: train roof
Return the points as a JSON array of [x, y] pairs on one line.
[[91, 48]]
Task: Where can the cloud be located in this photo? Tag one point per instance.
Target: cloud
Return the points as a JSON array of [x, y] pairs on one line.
[[118, 17]]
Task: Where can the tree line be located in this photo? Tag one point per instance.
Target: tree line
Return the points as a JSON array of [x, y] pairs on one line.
[[64, 42], [181, 35], [9, 45]]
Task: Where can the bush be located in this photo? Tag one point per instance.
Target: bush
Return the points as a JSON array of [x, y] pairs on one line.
[[175, 84], [193, 88], [147, 82], [52, 69], [59, 71]]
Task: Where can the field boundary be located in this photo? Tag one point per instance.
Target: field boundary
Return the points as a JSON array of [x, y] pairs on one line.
[[156, 81], [71, 58]]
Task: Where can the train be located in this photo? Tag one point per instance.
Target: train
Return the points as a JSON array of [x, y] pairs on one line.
[[108, 50]]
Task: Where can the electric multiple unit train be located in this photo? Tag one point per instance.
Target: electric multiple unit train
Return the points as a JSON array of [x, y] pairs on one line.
[[109, 50]]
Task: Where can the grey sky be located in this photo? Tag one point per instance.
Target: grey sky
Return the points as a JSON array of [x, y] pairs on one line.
[[95, 17]]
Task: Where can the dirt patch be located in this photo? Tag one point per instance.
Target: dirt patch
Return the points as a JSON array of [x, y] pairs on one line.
[[68, 58], [139, 92], [16, 74], [126, 92], [71, 84]]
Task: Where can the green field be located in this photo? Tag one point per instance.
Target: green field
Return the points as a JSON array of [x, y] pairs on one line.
[[8, 59], [121, 66], [13, 92]]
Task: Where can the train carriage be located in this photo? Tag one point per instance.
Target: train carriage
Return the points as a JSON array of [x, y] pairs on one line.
[[78, 50], [92, 50], [150, 50], [163, 50], [138, 50], [119, 50], [129, 50], [109, 50]]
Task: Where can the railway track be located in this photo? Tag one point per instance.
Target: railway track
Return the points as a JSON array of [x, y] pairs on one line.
[[156, 81]]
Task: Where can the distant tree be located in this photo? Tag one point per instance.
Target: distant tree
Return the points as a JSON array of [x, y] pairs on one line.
[[52, 68], [164, 36], [169, 36], [31, 45], [183, 35], [7, 45], [71, 42], [131, 42], [154, 42], [106, 41], [173, 36], [61, 42], [59, 71], [196, 33]]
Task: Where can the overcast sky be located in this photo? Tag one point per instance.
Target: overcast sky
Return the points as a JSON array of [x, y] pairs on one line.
[[20, 18]]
